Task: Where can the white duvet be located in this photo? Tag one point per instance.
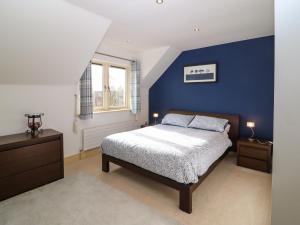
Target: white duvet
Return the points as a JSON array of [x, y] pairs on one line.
[[181, 154]]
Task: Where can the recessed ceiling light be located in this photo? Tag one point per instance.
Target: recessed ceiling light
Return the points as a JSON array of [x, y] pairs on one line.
[[196, 29], [159, 1]]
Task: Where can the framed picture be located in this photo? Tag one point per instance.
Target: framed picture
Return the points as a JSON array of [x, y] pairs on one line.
[[200, 73]]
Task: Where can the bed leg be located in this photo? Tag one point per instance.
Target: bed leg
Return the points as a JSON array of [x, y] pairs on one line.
[[185, 198], [105, 164]]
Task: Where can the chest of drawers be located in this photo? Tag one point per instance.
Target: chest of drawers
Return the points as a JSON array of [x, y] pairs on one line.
[[28, 162]]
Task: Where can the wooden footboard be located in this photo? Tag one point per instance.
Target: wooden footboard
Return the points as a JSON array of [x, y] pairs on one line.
[[185, 190]]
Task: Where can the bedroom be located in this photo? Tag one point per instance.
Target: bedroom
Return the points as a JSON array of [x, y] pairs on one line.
[[188, 91]]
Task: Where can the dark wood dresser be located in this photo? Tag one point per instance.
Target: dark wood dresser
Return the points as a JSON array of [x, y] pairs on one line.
[[28, 162], [254, 155]]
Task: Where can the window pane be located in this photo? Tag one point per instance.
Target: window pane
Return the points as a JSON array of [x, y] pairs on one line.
[[97, 78], [117, 85]]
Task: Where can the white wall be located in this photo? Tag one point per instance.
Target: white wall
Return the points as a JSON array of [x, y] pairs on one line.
[[286, 159], [57, 102]]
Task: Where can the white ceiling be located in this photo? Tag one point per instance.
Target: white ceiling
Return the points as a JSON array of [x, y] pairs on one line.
[[149, 25]]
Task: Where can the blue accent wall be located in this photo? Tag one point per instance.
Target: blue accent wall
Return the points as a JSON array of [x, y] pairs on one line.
[[245, 84]]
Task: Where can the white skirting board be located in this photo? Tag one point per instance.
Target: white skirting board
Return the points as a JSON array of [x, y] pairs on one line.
[[93, 136]]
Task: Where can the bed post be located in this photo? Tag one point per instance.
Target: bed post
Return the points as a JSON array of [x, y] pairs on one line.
[[185, 198], [105, 163]]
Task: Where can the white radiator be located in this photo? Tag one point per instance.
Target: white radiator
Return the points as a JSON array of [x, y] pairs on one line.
[[93, 136]]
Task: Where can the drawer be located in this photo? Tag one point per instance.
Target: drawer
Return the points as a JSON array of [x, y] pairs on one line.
[[16, 184], [253, 163], [26, 158], [253, 152]]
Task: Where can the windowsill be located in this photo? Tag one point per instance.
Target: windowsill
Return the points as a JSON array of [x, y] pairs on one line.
[[112, 110]]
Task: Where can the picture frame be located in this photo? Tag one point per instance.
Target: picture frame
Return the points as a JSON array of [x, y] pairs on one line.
[[200, 73]]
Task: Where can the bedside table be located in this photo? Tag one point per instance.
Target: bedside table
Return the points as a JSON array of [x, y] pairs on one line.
[[254, 155]]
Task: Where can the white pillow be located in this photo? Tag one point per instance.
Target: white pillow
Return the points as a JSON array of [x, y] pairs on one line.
[[208, 123], [227, 128], [177, 119]]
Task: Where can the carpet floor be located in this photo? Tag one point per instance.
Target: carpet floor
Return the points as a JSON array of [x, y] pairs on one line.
[[79, 199], [230, 195]]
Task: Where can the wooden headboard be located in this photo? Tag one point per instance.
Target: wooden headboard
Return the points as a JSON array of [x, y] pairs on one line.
[[234, 121]]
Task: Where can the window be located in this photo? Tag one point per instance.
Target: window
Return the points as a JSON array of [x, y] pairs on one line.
[[110, 87], [97, 82]]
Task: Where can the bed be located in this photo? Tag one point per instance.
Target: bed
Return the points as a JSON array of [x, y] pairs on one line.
[[176, 156]]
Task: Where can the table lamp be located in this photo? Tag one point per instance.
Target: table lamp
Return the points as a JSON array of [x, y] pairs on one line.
[[251, 125], [155, 116]]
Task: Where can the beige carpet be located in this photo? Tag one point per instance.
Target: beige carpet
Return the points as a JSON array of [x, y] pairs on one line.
[[230, 195], [78, 200]]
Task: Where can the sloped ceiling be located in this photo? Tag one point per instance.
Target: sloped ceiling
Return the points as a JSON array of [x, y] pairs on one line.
[[51, 41], [154, 63], [161, 31], [149, 25], [47, 42]]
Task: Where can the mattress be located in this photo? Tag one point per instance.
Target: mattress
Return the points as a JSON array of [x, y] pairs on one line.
[[181, 154]]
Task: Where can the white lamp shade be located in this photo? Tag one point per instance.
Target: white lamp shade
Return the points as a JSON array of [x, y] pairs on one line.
[[250, 124], [155, 115]]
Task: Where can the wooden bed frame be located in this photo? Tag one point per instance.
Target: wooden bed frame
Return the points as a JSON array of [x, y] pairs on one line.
[[185, 190]]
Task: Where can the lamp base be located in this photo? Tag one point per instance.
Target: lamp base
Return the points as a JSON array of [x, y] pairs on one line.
[[251, 139]]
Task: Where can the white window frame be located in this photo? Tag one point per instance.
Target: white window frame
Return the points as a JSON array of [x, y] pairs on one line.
[[105, 84]]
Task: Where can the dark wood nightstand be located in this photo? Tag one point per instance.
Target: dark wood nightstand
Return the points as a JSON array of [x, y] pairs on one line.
[[254, 155]]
